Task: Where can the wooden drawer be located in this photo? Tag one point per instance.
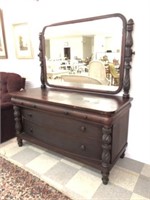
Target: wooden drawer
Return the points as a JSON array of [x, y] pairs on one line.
[[62, 123], [77, 145]]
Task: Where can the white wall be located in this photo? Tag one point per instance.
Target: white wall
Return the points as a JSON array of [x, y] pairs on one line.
[[45, 12]]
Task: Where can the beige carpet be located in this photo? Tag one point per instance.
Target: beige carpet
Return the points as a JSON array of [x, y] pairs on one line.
[[18, 184]]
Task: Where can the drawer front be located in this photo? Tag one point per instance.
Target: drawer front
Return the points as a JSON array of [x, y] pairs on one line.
[[77, 145], [60, 123]]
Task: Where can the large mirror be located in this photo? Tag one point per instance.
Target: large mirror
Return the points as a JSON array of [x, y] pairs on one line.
[[85, 54]]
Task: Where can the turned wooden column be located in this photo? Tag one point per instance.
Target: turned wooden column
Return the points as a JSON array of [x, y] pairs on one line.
[[128, 58], [42, 59], [18, 124], [106, 154]]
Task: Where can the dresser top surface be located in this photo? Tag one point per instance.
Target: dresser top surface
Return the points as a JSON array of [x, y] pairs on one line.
[[104, 103]]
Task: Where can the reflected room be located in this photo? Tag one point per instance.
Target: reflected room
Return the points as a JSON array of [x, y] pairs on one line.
[[86, 54]]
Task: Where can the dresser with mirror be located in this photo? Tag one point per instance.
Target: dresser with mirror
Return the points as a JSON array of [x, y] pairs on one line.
[[78, 110]]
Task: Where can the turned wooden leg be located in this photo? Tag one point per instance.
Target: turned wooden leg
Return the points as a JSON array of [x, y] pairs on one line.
[[122, 155], [105, 178], [19, 141]]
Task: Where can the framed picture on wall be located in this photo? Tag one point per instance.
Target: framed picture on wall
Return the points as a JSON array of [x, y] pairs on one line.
[[22, 41], [3, 48]]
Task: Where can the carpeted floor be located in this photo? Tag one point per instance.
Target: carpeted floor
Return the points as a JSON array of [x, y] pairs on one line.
[[18, 184]]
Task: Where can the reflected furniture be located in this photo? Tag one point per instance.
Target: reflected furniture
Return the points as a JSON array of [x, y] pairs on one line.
[[114, 74], [96, 75], [56, 74], [97, 71], [9, 82], [78, 120], [80, 79]]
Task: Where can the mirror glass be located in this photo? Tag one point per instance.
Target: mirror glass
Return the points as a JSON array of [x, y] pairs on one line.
[[85, 54]]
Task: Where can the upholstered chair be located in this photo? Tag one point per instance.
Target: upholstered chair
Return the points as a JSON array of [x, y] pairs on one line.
[[97, 71], [9, 82]]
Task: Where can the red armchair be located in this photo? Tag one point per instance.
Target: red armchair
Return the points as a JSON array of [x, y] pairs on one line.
[[9, 82]]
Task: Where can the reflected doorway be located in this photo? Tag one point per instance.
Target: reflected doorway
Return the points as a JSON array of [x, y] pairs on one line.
[[67, 52]]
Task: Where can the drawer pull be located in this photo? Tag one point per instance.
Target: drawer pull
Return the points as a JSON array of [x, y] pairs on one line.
[[83, 128], [83, 147]]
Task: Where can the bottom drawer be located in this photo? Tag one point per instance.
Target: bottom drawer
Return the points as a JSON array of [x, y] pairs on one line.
[[80, 145]]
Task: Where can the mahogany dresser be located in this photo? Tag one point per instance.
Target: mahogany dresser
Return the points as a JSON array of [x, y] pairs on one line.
[[79, 120], [92, 129]]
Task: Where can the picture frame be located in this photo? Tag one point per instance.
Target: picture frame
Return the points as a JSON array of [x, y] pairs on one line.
[[3, 48], [22, 41]]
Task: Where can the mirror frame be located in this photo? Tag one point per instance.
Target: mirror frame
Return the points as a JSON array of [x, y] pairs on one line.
[[126, 57]]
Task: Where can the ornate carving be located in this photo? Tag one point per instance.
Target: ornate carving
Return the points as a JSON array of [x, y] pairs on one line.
[[128, 58], [42, 59], [106, 154], [18, 125]]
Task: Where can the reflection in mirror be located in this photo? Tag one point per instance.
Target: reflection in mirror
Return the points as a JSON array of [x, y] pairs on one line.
[[85, 54]]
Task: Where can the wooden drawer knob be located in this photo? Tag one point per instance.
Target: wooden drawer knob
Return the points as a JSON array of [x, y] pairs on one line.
[[83, 147], [83, 128], [31, 130]]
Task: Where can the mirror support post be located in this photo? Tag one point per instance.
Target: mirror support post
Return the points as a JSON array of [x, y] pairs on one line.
[[42, 60], [128, 58]]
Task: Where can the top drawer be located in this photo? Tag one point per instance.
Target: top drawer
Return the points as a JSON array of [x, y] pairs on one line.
[[63, 123]]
